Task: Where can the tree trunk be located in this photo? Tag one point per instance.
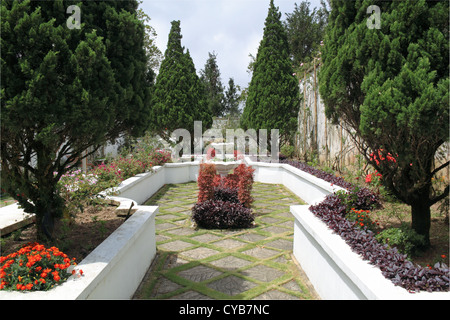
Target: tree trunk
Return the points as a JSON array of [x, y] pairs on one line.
[[48, 206], [421, 219], [45, 225]]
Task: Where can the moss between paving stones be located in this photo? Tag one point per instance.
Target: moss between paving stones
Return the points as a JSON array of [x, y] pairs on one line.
[[244, 264]]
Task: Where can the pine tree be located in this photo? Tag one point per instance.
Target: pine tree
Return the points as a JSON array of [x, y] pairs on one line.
[[305, 29], [389, 85], [210, 77], [65, 91], [232, 99], [179, 98], [273, 94]]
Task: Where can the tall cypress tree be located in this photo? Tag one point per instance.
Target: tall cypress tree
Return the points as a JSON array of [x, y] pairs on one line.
[[64, 91], [389, 86], [179, 98], [273, 93], [210, 77]]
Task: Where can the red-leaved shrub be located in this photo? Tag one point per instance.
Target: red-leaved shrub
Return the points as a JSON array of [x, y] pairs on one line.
[[241, 179], [245, 185], [224, 202], [205, 181]]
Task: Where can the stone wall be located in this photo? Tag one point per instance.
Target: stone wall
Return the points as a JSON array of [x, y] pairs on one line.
[[331, 144]]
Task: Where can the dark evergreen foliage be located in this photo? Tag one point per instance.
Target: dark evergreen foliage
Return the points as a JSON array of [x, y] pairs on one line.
[[389, 86], [66, 90], [210, 78], [232, 99], [179, 98], [273, 94], [305, 29]]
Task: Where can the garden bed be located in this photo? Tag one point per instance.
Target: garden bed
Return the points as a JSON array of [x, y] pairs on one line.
[[106, 270], [77, 237], [309, 231], [336, 271], [326, 258]]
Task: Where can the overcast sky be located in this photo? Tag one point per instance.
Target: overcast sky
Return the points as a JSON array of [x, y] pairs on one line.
[[231, 28]]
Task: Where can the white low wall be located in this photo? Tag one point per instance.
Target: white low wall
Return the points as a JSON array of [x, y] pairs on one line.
[[304, 185], [116, 267], [335, 271], [113, 270], [141, 187]]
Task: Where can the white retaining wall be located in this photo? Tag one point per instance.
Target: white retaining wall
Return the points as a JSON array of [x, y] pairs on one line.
[[304, 185], [114, 270], [117, 266], [334, 270], [141, 187]]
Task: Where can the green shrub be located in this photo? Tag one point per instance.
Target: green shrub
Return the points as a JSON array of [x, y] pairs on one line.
[[405, 239], [288, 151]]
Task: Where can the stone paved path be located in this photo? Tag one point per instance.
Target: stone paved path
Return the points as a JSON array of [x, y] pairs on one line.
[[245, 264]]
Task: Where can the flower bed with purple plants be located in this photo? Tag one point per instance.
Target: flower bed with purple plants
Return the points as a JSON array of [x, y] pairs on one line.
[[393, 265], [224, 202]]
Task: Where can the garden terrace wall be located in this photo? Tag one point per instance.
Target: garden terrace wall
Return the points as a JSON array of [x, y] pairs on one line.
[[304, 185], [114, 269], [335, 271], [117, 266], [141, 187]]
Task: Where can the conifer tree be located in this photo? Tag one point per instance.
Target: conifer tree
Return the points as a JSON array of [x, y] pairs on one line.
[[387, 82], [210, 77], [64, 91], [273, 94], [232, 99], [305, 29], [179, 98]]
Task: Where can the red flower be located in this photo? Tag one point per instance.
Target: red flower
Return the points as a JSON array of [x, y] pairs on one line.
[[211, 153]]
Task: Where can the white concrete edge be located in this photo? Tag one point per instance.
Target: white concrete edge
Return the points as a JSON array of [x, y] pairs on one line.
[[368, 278], [326, 186], [323, 229], [97, 264]]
